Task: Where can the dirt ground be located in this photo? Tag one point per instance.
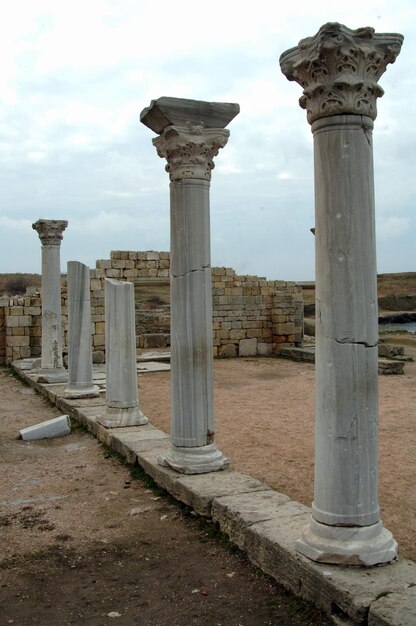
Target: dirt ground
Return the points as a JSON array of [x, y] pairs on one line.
[[86, 540], [265, 425]]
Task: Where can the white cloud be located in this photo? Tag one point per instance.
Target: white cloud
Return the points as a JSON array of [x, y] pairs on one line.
[[392, 227]]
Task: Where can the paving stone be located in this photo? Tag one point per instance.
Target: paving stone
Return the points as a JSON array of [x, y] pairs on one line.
[[397, 608], [141, 439], [345, 592], [198, 491]]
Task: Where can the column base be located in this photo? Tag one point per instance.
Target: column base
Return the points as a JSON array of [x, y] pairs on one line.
[[347, 545], [117, 418], [82, 392], [52, 375], [196, 460]]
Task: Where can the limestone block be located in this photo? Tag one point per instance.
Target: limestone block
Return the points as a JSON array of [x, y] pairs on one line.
[[227, 351], [16, 310], [18, 341], [247, 347], [131, 273], [12, 321], [235, 513], [96, 284], [103, 264], [113, 273], [99, 340], [55, 427], [98, 356]]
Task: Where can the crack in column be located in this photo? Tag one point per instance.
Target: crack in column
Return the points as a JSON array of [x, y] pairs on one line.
[[199, 269], [355, 343]]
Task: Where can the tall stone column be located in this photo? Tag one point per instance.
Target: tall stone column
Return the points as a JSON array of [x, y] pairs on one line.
[[50, 234], [120, 353], [80, 380], [338, 69], [191, 134]]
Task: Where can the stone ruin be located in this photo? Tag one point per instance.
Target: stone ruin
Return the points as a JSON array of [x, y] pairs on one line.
[[251, 315], [214, 311]]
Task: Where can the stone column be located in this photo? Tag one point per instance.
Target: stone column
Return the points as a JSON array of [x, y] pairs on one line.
[[191, 134], [50, 234], [80, 383], [121, 362], [339, 69]]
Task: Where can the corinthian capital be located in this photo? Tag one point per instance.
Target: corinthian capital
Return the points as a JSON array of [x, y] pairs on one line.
[[189, 150], [191, 132], [50, 231], [339, 68]]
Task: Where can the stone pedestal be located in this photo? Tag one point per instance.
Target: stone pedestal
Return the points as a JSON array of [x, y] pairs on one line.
[[120, 349], [50, 234], [191, 134], [80, 382], [338, 69]]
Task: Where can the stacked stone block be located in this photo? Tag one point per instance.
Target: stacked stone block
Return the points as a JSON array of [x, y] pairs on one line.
[[251, 315], [254, 316], [22, 321]]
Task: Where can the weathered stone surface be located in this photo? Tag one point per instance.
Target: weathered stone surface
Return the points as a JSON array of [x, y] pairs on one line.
[[50, 234], [227, 351], [121, 374], [130, 442], [55, 427], [236, 513], [165, 112], [190, 135], [247, 347], [340, 591], [198, 491], [80, 382], [387, 366], [338, 69], [396, 608]]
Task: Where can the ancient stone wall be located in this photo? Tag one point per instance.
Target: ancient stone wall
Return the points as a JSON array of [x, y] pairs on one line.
[[251, 315]]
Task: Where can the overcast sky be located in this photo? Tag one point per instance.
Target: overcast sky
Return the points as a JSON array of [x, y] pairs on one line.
[[75, 75]]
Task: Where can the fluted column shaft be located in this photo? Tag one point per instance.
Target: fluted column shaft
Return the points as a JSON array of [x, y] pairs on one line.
[[121, 362], [50, 234], [191, 134], [191, 314], [80, 377], [338, 69]]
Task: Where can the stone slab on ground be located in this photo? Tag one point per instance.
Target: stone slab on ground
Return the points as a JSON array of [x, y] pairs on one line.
[[154, 356], [385, 366], [55, 427], [344, 592], [152, 366], [198, 491], [266, 524], [134, 440]]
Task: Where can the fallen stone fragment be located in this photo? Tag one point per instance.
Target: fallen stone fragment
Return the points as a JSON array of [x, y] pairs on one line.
[[55, 427], [139, 509]]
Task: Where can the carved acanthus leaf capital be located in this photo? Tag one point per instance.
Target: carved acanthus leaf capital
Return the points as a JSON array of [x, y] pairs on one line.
[[50, 231], [339, 68], [189, 150]]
